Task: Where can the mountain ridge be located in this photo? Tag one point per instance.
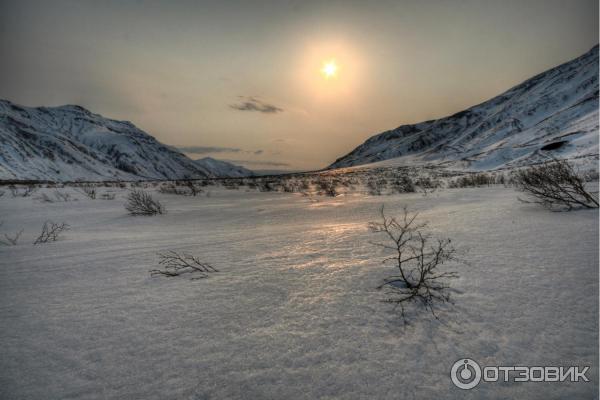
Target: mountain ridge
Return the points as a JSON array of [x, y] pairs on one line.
[[71, 143], [510, 129]]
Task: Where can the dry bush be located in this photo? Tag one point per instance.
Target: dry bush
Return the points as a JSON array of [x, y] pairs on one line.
[[183, 188], [403, 184], [427, 183], [326, 186], [418, 258], [303, 185], [175, 264], [266, 186], [170, 188], [590, 176], [22, 192], [473, 180], [44, 198], [11, 240], [193, 189], [289, 186], [50, 232], [108, 196], [89, 191], [554, 184], [60, 196], [140, 202], [231, 184]]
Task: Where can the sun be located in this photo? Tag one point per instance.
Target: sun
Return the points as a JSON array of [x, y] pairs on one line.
[[329, 69]]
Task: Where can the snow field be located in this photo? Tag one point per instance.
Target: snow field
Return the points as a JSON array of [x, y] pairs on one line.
[[294, 312]]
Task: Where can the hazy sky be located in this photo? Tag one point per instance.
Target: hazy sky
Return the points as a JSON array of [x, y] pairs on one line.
[[241, 80]]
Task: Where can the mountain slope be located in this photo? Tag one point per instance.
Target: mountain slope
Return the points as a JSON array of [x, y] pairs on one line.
[[554, 113], [71, 143], [223, 168]]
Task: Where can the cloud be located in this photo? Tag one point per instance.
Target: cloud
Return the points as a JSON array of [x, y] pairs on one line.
[[208, 149], [250, 103]]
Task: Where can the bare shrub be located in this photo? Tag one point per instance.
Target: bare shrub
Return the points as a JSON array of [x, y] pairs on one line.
[[289, 187], [375, 185], [2, 193], [188, 189], [193, 189], [588, 176], [326, 186], [417, 256], [231, 184], [140, 202], [22, 192], [473, 180], [303, 185], [11, 240], [44, 198], [50, 232], [60, 196], [554, 184], [266, 186], [89, 191], [170, 188], [175, 264], [403, 184]]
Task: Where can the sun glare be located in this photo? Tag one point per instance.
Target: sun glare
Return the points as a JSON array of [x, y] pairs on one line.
[[329, 69]]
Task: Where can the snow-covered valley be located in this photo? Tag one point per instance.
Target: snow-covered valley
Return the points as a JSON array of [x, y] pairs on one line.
[[293, 312]]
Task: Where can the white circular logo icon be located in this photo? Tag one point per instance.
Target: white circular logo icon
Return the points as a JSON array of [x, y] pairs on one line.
[[465, 373]]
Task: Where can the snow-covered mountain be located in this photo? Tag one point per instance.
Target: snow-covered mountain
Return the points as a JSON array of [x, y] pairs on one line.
[[71, 143], [223, 168], [552, 114]]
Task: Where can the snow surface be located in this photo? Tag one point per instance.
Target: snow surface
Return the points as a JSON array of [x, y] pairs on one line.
[[294, 313], [558, 107]]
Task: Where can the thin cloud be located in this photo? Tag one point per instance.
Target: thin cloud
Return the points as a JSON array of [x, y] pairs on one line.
[[208, 149], [250, 103]]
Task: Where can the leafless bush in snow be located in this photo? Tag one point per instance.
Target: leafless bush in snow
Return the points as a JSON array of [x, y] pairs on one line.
[[62, 196], [44, 198], [23, 192], [50, 232], [186, 188], [89, 191], [193, 189], [418, 257], [170, 188], [375, 185], [555, 184], [403, 184], [140, 202], [11, 240], [58, 196], [590, 176], [473, 180], [175, 264]]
